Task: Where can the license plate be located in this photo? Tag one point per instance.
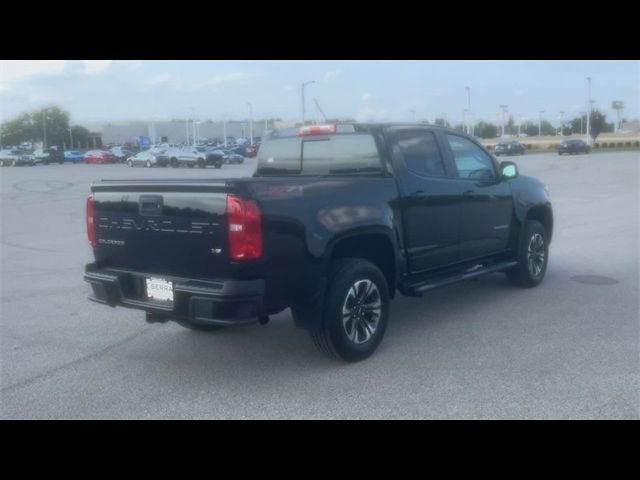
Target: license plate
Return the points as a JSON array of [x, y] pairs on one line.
[[159, 289]]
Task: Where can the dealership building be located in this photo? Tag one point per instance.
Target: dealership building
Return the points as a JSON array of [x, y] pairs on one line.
[[175, 131]]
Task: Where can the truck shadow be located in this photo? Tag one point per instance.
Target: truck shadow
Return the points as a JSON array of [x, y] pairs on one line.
[[282, 347]]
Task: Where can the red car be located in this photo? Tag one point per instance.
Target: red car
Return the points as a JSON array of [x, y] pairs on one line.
[[100, 156], [251, 150]]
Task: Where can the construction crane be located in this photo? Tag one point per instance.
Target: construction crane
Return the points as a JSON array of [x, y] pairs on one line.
[[320, 109]]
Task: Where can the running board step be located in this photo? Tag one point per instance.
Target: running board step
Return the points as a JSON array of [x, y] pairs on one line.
[[432, 284]]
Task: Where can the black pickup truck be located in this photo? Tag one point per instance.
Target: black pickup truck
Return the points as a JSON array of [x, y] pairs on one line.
[[333, 223]]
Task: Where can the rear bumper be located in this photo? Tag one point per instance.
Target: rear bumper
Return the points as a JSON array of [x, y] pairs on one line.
[[216, 301]]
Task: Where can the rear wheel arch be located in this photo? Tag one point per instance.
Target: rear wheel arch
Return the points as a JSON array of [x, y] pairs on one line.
[[376, 246]]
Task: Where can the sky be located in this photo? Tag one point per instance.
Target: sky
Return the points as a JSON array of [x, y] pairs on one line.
[[104, 90]]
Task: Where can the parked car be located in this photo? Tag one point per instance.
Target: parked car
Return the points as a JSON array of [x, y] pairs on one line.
[[147, 159], [251, 151], [336, 221], [189, 156], [572, 146], [16, 157], [121, 153], [52, 154], [215, 157], [73, 156], [509, 148], [100, 156], [232, 157]]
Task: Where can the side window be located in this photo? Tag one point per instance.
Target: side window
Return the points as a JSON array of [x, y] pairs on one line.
[[471, 161], [421, 153]]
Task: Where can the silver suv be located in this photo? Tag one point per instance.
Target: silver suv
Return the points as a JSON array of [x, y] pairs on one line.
[[16, 157]]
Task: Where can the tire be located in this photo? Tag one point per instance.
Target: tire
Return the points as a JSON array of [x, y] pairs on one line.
[[190, 165], [352, 280], [174, 162], [201, 163], [199, 327], [218, 165], [532, 266], [148, 164]]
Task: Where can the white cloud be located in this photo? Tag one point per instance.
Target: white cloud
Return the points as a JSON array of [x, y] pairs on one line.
[[369, 112], [160, 79], [331, 75], [215, 80], [12, 71], [96, 66]]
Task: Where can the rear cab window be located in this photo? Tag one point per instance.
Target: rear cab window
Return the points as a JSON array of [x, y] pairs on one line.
[[341, 154]]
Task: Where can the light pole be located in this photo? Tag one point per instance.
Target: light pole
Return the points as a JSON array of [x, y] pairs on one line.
[[250, 122], [304, 84], [224, 131], [70, 140], [582, 114], [187, 137], [561, 124], [504, 110], [468, 89], [413, 115], [44, 129], [266, 123], [540, 123], [588, 110]]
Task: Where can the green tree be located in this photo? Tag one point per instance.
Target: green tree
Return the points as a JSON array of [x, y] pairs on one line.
[[33, 126], [80, 137], [485, 130], [511, 128], [441, 122], [598, 121]]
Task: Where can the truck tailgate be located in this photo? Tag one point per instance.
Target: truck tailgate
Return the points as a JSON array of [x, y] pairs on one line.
[[171, 227]]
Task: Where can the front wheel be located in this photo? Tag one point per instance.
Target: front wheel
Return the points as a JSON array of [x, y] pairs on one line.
[[174, 162], [355, 313], [533, 256], [201, 163]]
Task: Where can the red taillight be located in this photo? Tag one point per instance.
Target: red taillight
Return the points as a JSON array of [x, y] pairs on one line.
[[317, 130], [245, 228], [91, 225]]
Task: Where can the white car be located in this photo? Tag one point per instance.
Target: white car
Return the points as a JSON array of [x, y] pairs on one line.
[[145, 159]]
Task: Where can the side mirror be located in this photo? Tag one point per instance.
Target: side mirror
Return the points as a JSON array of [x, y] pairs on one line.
[[509, 170]]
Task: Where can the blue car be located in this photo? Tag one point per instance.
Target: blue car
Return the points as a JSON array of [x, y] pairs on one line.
[[73, 156]]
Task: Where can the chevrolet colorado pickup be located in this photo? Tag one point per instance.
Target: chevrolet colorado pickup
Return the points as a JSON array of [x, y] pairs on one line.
[[334, 222]]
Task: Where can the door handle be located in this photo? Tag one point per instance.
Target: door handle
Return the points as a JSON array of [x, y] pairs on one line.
[[419, 194]]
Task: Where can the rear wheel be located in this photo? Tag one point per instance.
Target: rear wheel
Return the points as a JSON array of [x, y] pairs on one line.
[[533, 256], [355, 312], [201, 163], [218, 165]]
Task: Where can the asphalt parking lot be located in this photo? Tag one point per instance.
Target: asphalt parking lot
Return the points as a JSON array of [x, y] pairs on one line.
[[482, 349]]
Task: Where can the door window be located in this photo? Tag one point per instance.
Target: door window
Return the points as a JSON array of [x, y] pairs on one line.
[[471, 161], [421, 153]]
